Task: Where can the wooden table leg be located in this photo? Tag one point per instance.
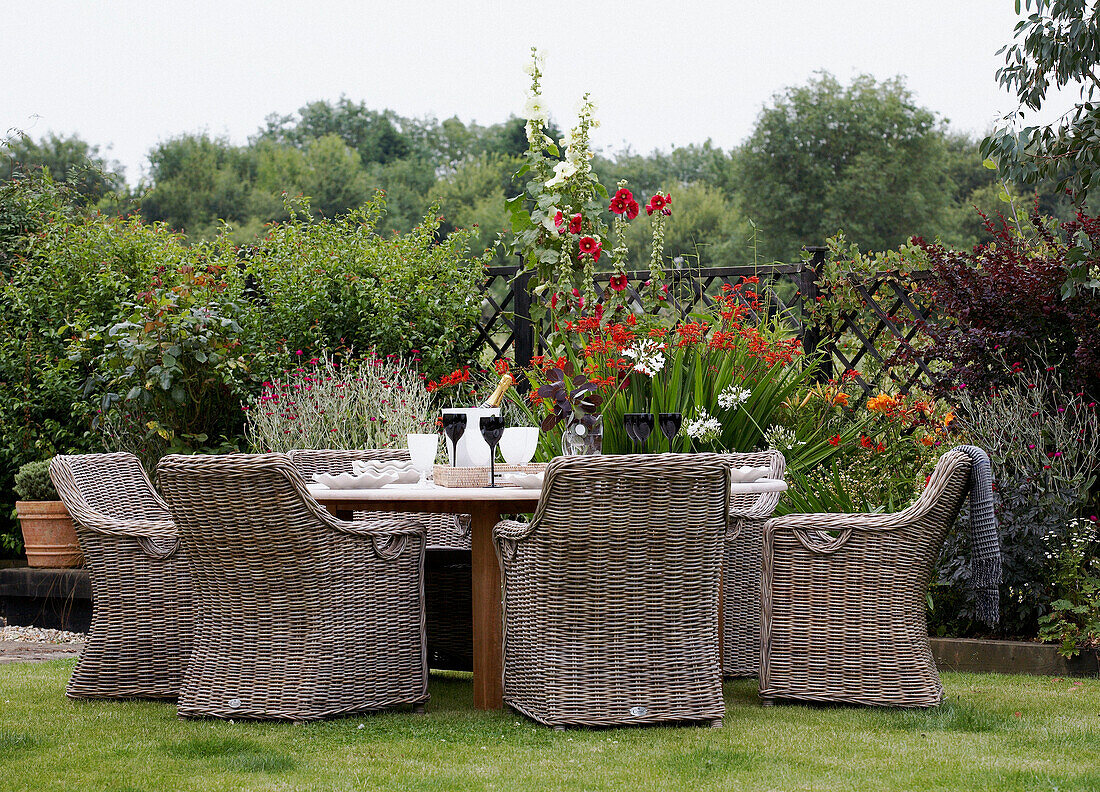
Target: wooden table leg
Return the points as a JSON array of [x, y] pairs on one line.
[[488, 613]]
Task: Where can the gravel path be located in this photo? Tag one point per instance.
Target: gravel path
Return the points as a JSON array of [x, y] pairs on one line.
[[35, 645]]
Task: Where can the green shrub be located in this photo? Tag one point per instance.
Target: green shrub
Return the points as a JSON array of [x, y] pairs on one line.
[[323, 284], [119, 335], [32, 482]]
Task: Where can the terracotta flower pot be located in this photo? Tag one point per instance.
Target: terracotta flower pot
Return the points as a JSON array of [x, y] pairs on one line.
[[48, 534]]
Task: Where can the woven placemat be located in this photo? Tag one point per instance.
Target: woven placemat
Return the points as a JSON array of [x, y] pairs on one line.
[[447, 476]]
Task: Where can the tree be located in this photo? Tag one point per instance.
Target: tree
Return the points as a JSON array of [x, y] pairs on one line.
[[68, 160], [196, 181], [862, 157], [376, 136], [1056, 44]]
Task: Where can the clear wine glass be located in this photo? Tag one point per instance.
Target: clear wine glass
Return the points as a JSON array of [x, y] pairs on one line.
[[422, 451], [670, 424], [454, 425], [492, 427]]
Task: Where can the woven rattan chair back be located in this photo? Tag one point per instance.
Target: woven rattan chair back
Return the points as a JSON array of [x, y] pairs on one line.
[[844, 610], [302, 616], [140, 637], [742, 563], [449, 576], [611, 592]]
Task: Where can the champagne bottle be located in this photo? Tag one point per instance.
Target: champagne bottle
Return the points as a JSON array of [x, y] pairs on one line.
[[498, 395]]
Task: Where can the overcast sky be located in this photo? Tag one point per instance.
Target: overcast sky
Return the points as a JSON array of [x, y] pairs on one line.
[[663, 73]]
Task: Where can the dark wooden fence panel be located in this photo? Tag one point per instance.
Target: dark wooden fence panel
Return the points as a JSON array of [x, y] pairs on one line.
[[889, 312]]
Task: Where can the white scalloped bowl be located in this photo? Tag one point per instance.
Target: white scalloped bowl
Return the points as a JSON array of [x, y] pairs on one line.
[[747, 473], [525, 480], [366, 480], [406, 473]]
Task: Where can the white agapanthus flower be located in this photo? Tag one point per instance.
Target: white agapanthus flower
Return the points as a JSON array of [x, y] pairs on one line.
[[704, 428], [733, 397], [535, 110], [781, 438], [647, 356], [562, 171]]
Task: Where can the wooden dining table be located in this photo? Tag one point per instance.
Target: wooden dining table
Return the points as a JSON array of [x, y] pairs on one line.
[[485, 506]]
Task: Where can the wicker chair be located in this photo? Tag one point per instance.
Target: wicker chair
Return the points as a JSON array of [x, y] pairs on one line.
[[445, 531], [742, 562], [140, 637], [844, 608], [301, 616], [448, 580], [611, 592]]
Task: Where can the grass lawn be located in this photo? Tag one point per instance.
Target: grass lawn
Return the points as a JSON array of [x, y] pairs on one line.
[[994, 733]]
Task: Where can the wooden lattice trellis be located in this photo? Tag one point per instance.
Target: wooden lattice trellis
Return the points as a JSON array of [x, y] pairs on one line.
[[890, 314]]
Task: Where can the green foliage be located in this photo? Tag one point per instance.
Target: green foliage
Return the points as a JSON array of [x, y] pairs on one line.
[[862, 157], [32, 482], [118, 335], [1074, 618], [68, 160], [331, 283], [1055, 45]]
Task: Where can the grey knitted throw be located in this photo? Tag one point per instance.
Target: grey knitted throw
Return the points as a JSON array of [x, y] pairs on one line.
[[985, 540]]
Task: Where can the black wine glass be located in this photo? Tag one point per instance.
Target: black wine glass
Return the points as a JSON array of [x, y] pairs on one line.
[[645, 428], [638, 426], [492, 427], [454, 426], [670, 424]]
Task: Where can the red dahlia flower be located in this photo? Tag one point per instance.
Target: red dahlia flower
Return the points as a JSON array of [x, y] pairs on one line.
[[618, 282], [575, 224]]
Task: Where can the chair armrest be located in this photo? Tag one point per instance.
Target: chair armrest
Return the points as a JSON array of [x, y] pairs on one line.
[[130, 529], [761, 509], [512, 530], [818, 532]]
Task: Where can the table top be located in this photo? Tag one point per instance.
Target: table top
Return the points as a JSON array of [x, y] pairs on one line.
[[416, 493]]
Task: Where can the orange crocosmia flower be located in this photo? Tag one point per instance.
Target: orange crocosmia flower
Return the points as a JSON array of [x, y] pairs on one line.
[[834, 440], [866, 442], [947, 419], [841, 399], [927, 441]]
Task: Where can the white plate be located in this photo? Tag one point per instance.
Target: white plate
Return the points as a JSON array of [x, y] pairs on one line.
[[368, 480], [748, 473], [524, 480], [406, 473]]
